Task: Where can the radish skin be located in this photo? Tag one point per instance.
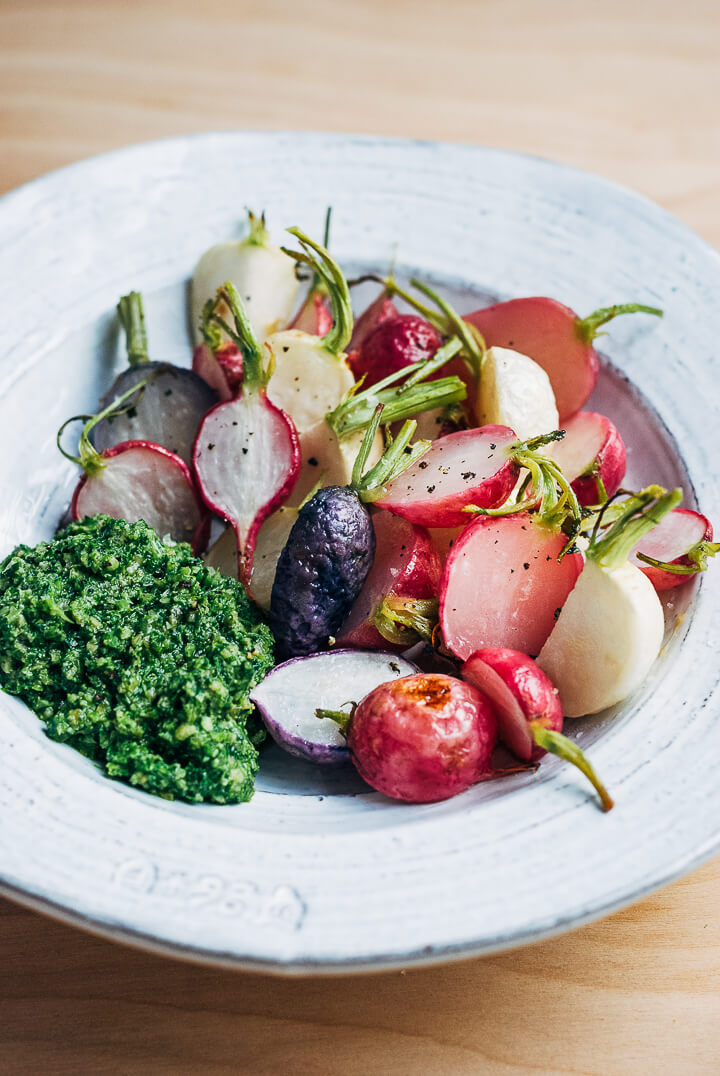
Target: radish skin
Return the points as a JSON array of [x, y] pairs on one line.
[[591, 449], [514, 391], [679, 532]]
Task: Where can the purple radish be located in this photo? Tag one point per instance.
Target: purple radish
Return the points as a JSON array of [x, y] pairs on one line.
[[290, 695], [247, 454], [171, 406], [676, 550], [138, 480], [592, 457]]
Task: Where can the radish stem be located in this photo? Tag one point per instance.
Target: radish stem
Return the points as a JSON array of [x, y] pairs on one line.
[[643, 512], [587, 328], [258, 236], [254, 376], [402, 620], [566, 749], [447, 322], [329, 272], [340, 717], [698, 554], [132, 318]]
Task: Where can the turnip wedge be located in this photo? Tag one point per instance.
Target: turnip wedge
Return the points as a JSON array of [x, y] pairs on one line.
[[262, 274], [528, 710], [137, 480], [505, 581], [554, 337], [330, 550], [592, 457], [271, 539], [610, 630], [400, 590], [247, 454], [676, 550], [169, 409], [291, 694]]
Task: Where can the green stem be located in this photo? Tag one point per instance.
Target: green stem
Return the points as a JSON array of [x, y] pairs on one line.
[[566, 749], [209, 329], [397, 457], [403, 621], [698, 554], [132, 318], [330, 273], [340, 717], [587, 328], [448, 321], [258, 235], [254, 375], [645, 510]]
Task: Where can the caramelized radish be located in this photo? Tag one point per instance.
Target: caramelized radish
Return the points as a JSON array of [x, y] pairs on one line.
[[676, 549], [406, 566], [395, 344], [592, 457], [514, 391], [380, 310], [504, 584], [217, 360], [527, 706], [246, 455], [262, 274], [137, 480], [171, 404], [555, 338]]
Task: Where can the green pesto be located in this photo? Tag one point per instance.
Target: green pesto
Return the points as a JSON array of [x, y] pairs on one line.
[[138, 655]]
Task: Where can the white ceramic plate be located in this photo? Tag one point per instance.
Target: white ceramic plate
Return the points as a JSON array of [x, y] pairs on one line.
[[317, 873]]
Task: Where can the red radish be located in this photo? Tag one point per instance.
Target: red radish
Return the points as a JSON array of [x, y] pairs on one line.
[[676, 549], [272, 536], [406, 565], [592, 457], [556, 338], [423, 738], [468, 467], [217, 361], [380, 310], [138, 480], [247, 454], [394, 345], [503, 584], [527, 706], [444, 538], [313, 317]]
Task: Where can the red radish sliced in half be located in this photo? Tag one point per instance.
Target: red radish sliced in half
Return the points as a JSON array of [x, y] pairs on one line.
[[313, 317], [503, 585], [406, 565], [272, 536], [682, 531], [468, 467], [556, 338], [592, 456], [221, 369], [247, 454], [444, 538], [140, 480]]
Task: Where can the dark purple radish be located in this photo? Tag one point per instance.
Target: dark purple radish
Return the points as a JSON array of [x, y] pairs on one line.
[[246, 454], [527, 706], [330, 551], [504, 584], [676, 550], [403, 581], [138, 480], [592, 457], [171, 405], [290, 696]]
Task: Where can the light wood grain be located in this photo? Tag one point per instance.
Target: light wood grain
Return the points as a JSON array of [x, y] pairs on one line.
[[628, 90]]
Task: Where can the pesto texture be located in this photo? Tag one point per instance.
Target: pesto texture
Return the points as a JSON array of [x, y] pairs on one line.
[[138, 655]]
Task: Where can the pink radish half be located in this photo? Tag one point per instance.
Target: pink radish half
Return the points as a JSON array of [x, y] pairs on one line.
[[591, 450], [406, 565], [380, 310], [140, 480], [313, 317], [468, 467], [503, 585], [222, 369], [670, 541]]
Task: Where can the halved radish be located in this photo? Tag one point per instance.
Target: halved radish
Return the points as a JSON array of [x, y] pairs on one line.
[[406, 565], [395, 344], [313, 317], [444, 538], [246, 455], [555, 338], [291, 694], [271, 538], [679, 547], [468, 467], [328, 459], [503, 585], [592, 456], [222, 369]]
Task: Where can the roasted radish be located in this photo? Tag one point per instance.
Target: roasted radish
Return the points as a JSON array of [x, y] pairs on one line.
[[294, 695], [169, 409], [271, 538], [216, 360], [328, 460], [246, 454], [395, 344], [592, 457], [314, 317], [555, 338], [528, 710], [514, 391], [676, 550], [610, 630], [380, 310], [263, 276]]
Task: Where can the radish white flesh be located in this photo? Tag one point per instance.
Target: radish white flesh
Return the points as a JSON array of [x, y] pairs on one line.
[[247, 459], [504, 586], [679, 532], [591, 449], [271, 538], [263, 275], [468, 467], [514, 391], [308, 380], [327, 459], [289, 696], [444, 538], [606, 639], [140, 480]]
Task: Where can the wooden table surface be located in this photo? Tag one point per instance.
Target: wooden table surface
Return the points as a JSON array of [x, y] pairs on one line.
[[626, 89]]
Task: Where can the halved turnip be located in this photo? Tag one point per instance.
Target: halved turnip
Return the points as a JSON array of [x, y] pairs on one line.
[[271, 539], [504, 584], [515, 391], [328, 459], [592, 456], [290, 695], [676, 550]]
